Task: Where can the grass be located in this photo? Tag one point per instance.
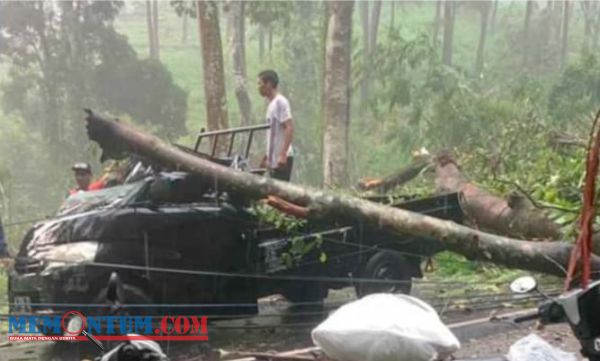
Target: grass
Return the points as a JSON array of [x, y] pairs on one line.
[[479, 277]]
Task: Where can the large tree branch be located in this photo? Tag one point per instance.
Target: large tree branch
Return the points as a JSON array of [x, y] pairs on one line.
[[116, 138], [397, 179], [514, 216]]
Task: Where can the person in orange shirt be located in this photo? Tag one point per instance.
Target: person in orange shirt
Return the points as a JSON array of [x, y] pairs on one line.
[[83, 178]]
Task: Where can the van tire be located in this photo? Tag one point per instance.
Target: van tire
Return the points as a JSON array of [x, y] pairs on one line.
[[386, 265]]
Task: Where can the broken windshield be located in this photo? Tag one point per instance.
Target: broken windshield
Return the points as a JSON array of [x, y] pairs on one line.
[[108, 197]]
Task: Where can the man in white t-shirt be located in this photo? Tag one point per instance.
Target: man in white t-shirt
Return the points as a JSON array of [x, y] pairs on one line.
[[279, 158]]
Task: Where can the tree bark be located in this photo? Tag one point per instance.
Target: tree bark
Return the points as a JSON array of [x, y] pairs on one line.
[[337, 93], [589, 15], [437, 21], [449, 17], [383, 185], [392, 13], [374, 30], [494, 14], [238, 53], [155, 36], [364, 82], [565, 33], [212, 62], [515, 217], [526, 26], [595, 27], [117, 139], [558, 15], [150, 26], [270, 39], [261, 42], [485, 15]]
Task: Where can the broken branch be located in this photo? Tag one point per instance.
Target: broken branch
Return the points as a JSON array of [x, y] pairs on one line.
[[116, 138]]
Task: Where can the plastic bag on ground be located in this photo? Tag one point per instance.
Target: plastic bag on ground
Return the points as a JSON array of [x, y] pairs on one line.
[[385, 327], [534, 348]]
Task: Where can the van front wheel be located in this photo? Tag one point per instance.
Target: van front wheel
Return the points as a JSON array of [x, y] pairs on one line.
[[389, 266]]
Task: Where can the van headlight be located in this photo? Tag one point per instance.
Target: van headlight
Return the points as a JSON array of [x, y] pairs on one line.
[[68, 254]]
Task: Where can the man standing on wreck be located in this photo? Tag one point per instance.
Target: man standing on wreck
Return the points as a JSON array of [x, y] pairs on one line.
[[280, 153]]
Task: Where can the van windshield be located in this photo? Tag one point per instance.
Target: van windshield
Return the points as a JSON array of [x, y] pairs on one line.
[[108, 197]]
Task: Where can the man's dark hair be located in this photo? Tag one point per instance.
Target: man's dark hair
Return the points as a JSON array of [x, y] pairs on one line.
[[269, 76]]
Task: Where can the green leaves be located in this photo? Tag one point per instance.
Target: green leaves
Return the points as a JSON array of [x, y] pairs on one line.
[[302, 243], [577, 92], [270, 216], [62, 62], [267, 13]]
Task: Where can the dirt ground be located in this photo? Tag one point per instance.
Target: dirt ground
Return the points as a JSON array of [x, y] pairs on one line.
[[276, 329], [559, 336]]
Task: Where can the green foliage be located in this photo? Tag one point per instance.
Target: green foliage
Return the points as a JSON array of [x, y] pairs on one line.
[[78, 60], [140, 84], [300, 246], [184, 8], [577, 90], [60, 58], [399, 67], [270, 216], [300, 69], [268, 13], [450, 264]]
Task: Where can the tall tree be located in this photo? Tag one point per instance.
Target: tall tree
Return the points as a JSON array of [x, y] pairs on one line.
[[484, 8], [268, 14], [337, 93], [436, 21], [155, 37], [150, 25], [590, 17], [392, 13], [494, 13], [370, 31], [261, 42], [237, 44], [374, 27], [212, 65], [526, 26], [449, 18], [61, 57], [364, 19], [596, 28], [559, 17], [185, 9], [565, 33]]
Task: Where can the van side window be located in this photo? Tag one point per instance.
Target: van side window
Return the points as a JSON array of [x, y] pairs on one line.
[[178, 190]]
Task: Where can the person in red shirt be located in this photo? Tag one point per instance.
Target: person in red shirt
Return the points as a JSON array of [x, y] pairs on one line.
[[83, 178]]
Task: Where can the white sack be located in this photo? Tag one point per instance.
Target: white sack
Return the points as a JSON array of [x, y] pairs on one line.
[[385, 327]]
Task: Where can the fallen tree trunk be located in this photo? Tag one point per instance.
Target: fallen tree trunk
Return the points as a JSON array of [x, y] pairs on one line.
[[117, 139], [513, 217], [397, 179]]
